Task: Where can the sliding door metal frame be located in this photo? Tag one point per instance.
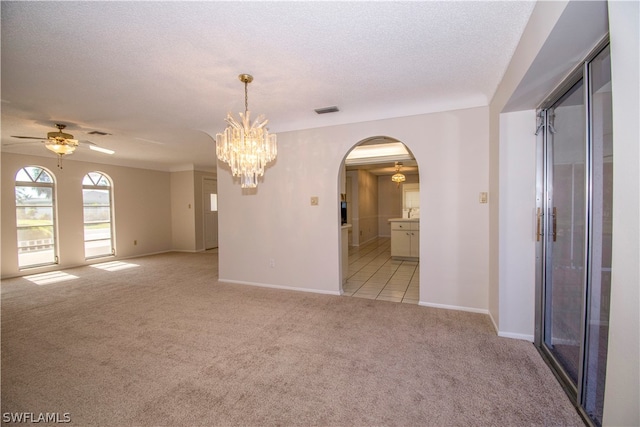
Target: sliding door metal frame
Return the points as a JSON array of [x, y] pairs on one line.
[[544, 193], [540, 227], [573, 76], [589, 173], [544, 250]]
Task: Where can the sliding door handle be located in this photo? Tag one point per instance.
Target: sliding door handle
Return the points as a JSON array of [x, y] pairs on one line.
[[538, 224], [554, 215]]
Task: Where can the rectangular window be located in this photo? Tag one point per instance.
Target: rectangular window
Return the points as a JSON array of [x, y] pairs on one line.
[[98, 218], [214, 202], [35, 225]]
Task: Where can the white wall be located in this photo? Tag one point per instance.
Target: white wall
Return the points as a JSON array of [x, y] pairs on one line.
[[272, 235], [517, 229], [302, 240], [187, 215], [622, 390], [141, 201], [502, 240], [183, 208], [454, 229]]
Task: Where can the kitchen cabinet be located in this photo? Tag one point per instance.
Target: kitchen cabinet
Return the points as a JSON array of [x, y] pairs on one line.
[[405, 238]]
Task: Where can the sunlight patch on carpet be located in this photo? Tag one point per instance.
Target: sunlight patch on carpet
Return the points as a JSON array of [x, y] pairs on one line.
[[50, 277], [114, 265]]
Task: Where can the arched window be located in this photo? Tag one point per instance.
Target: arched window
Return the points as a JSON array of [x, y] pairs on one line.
[[35, 217], [98, 215]]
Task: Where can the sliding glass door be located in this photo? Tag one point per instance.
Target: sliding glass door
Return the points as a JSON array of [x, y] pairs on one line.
[[574, 232], [565, 212], [600, 235]]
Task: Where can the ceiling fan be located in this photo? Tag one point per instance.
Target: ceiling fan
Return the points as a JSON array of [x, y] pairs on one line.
[[63, 144]]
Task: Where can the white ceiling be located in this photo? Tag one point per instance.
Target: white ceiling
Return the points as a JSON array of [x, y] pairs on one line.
[[161, 77]]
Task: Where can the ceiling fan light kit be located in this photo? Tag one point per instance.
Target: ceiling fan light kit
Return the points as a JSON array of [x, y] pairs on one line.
[[60, 148], [246, 147], [61, 143]]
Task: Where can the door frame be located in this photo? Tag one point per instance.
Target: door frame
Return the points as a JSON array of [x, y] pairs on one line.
[[204, 212]]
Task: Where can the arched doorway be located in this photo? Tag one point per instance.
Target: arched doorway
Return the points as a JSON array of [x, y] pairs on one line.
[[379, 217]]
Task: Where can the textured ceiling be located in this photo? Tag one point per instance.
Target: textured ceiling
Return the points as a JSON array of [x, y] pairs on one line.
[[160, 77]]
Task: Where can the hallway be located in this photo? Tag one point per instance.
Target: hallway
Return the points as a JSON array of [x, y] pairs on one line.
[[374, 275]]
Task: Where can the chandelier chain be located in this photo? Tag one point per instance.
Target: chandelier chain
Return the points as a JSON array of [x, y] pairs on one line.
[[246, 96]]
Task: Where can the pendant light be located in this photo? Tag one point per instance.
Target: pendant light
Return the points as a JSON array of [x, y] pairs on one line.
[[246, 147], [398, 177]]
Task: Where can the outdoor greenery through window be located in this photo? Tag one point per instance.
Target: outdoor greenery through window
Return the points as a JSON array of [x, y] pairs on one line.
[[98, 218], [35, 217]]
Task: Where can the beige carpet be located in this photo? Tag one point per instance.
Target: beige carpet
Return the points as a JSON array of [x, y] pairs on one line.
[[164, 343]]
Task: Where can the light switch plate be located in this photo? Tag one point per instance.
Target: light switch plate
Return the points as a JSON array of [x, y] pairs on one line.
[[484, 197], [314, 201]]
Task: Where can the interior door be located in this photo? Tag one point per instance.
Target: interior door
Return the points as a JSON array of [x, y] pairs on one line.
[[210, 204]]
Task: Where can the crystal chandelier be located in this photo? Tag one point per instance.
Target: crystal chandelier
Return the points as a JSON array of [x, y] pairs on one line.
[[246, 147], [398, 177]]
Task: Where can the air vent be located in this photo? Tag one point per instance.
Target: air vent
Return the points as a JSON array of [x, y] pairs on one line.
[[326, 110], [97, 132]]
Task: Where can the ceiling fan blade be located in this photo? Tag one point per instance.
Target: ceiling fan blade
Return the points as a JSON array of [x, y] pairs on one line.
[[11, 144], [95, 147], [101, 150], [28, 137]]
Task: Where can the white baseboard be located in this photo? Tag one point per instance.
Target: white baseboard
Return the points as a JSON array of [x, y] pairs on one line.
[[143, 255], [288, 288], [454, 307], [512, 335], [495, 325]]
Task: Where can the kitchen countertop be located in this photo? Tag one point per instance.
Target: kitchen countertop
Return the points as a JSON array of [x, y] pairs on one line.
[[404, 220]]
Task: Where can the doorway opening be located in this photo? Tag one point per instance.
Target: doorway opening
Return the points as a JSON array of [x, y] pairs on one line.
[[380, 221]]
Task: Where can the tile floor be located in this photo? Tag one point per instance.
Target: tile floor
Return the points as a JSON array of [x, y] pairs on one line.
[[374, 275]]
